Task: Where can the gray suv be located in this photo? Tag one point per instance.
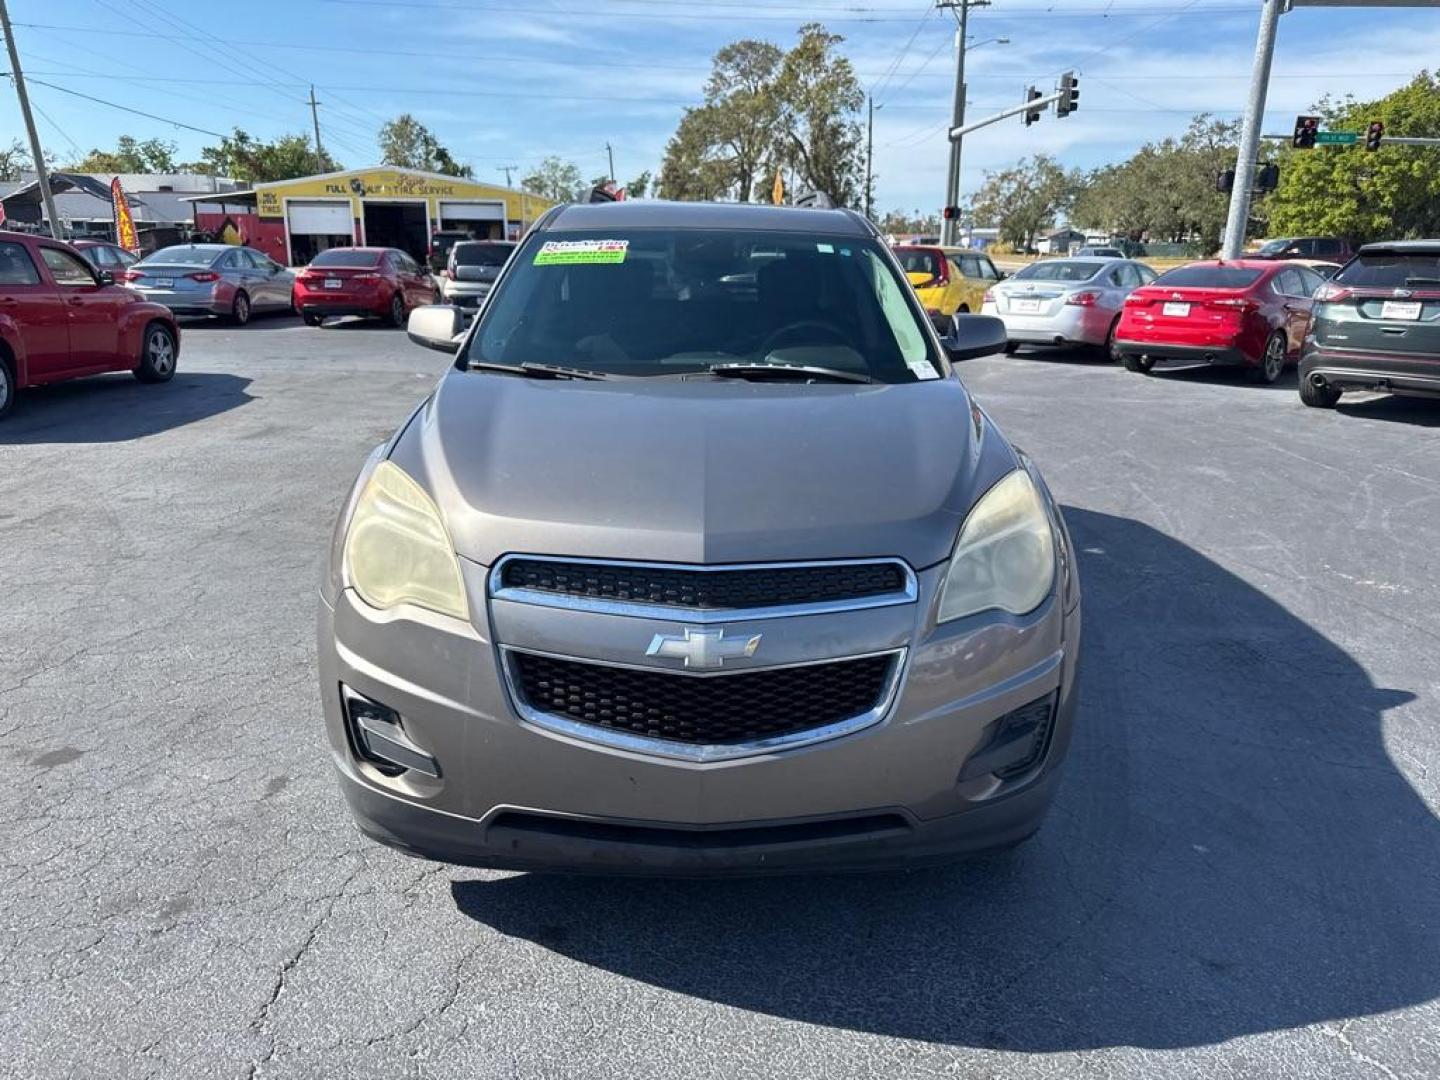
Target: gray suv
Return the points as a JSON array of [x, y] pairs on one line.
[[700, 559]]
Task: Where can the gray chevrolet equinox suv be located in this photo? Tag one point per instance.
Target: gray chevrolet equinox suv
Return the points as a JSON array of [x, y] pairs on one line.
[[700, 559]]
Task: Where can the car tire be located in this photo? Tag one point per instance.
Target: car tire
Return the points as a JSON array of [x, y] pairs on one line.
[[240, 309], [1272, 360], [311, 319], [1011, 348], [1109, 347], [158, 353], [1143, 364], [1317, 397], [397, 311], [7, 385]]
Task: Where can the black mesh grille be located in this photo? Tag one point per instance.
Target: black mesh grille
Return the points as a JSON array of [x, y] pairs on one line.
[[716, 710], [716, 589]]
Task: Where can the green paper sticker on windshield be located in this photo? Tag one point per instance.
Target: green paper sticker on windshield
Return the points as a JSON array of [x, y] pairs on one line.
[[581, 252]]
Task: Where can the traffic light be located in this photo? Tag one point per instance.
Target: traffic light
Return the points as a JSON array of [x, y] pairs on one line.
[[1069, 94], [1267, 178], [1306, 129], [1032, 115], [1225, 181], [1374, 134], [951, 213]]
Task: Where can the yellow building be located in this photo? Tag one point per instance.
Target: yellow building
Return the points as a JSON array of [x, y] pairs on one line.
[[384, 206]]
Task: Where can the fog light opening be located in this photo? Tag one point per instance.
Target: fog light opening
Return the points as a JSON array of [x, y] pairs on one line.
[[1018, 743], [378, 738]]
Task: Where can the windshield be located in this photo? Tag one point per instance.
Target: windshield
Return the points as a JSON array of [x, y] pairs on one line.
[[1390, 271], [1208, 277], [468, 254], [1059, 270], [185, 255], [1274, 247], [677, 301], [345, 257], [914, 261]]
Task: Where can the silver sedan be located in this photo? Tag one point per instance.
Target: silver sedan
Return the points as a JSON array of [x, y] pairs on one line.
[[213, 279], [1073, 301]]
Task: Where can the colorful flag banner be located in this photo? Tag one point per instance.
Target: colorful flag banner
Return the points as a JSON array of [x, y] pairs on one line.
[[125, 234]]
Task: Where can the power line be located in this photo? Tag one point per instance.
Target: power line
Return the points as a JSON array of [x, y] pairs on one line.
[[709, 16], [126, 108], [904, 51]]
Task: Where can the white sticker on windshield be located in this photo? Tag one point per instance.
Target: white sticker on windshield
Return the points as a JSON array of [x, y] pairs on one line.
[[825, 249], [581, 252], [922, 369]]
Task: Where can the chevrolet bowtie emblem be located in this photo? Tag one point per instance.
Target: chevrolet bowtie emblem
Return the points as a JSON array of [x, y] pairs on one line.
[[702, 648]]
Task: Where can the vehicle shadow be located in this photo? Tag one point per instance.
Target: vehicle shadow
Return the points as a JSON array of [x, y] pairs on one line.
[[1232, 852], [1065, 354], [1225, 374], [1422, 412], [114, 408], [281, 320]]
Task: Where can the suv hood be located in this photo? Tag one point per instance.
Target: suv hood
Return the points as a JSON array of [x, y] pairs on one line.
[[701, 471]]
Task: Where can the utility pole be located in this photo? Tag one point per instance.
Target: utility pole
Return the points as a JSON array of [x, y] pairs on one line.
[[42, 177], [870, 158], [952, 179], [611, 155], [1239, 214], [507, 170], [315, 116]]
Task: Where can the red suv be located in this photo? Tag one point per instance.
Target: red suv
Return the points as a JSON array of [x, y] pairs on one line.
[[1247, 312], [60, 318], [381, 282]]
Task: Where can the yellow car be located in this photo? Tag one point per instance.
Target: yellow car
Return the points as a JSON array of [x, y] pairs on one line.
[[947, 279]]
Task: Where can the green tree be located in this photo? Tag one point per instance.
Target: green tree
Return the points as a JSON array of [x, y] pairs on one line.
[[252, 161], [13, 159], [766, 109], [637, 188], [1025, 198], [1166, 190], [1362, 195], [819, 134], [409, 144], [555, 178], [130, 156], [914, 223]]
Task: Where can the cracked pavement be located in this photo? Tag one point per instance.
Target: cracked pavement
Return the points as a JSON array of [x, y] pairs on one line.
[[1241, 875]]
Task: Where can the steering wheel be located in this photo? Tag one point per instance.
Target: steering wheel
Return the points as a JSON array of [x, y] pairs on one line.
[[775, 337]]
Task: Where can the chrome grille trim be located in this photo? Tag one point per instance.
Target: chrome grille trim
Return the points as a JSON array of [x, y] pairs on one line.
[[643, 610], [700, 754]]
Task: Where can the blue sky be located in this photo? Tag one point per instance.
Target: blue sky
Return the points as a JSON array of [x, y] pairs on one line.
[[505, 82]]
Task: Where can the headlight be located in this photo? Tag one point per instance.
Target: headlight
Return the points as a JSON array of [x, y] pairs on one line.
[[1005, 557], [397, 550]]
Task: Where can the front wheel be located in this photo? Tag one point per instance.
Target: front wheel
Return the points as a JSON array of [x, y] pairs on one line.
[[157, 355], [397, 311], [1272, 360], [1323, 396], [240, 310], [7, 386], [1142, 364]]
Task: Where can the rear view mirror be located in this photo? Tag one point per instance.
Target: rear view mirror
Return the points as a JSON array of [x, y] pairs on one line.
[[971, 336], [436, 326]]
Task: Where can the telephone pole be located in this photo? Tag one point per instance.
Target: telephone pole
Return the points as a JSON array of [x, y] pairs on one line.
[[870, 157], [507, 170], [961, 8], [315, 116], [611, 155], [42, 177]]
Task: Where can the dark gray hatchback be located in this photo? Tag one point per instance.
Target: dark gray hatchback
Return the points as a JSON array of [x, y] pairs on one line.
[[1376, 325]]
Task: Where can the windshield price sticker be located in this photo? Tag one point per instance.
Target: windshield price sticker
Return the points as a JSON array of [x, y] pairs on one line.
[[581, 252]]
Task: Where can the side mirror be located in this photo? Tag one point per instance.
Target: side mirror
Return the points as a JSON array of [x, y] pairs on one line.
[[436, 326], [972, 336], [1001, 275], [105, 276]]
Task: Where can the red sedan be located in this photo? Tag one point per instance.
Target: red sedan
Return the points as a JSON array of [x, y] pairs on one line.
[[60, 318], [1247, 312], [384, 283]]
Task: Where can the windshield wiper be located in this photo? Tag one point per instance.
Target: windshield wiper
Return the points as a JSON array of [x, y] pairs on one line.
[[804, 371], [537, 371]]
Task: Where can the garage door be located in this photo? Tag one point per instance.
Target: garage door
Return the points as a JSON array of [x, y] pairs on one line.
[[320, 219], [472, 211]]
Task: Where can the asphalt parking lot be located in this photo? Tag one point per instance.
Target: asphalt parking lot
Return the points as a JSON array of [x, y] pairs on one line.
[[1241, 876]]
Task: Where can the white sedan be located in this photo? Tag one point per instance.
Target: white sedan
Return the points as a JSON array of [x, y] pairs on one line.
[[1074, 301]]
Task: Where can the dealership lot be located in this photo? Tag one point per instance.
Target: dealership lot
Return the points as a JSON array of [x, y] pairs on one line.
[[1241, 875]]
